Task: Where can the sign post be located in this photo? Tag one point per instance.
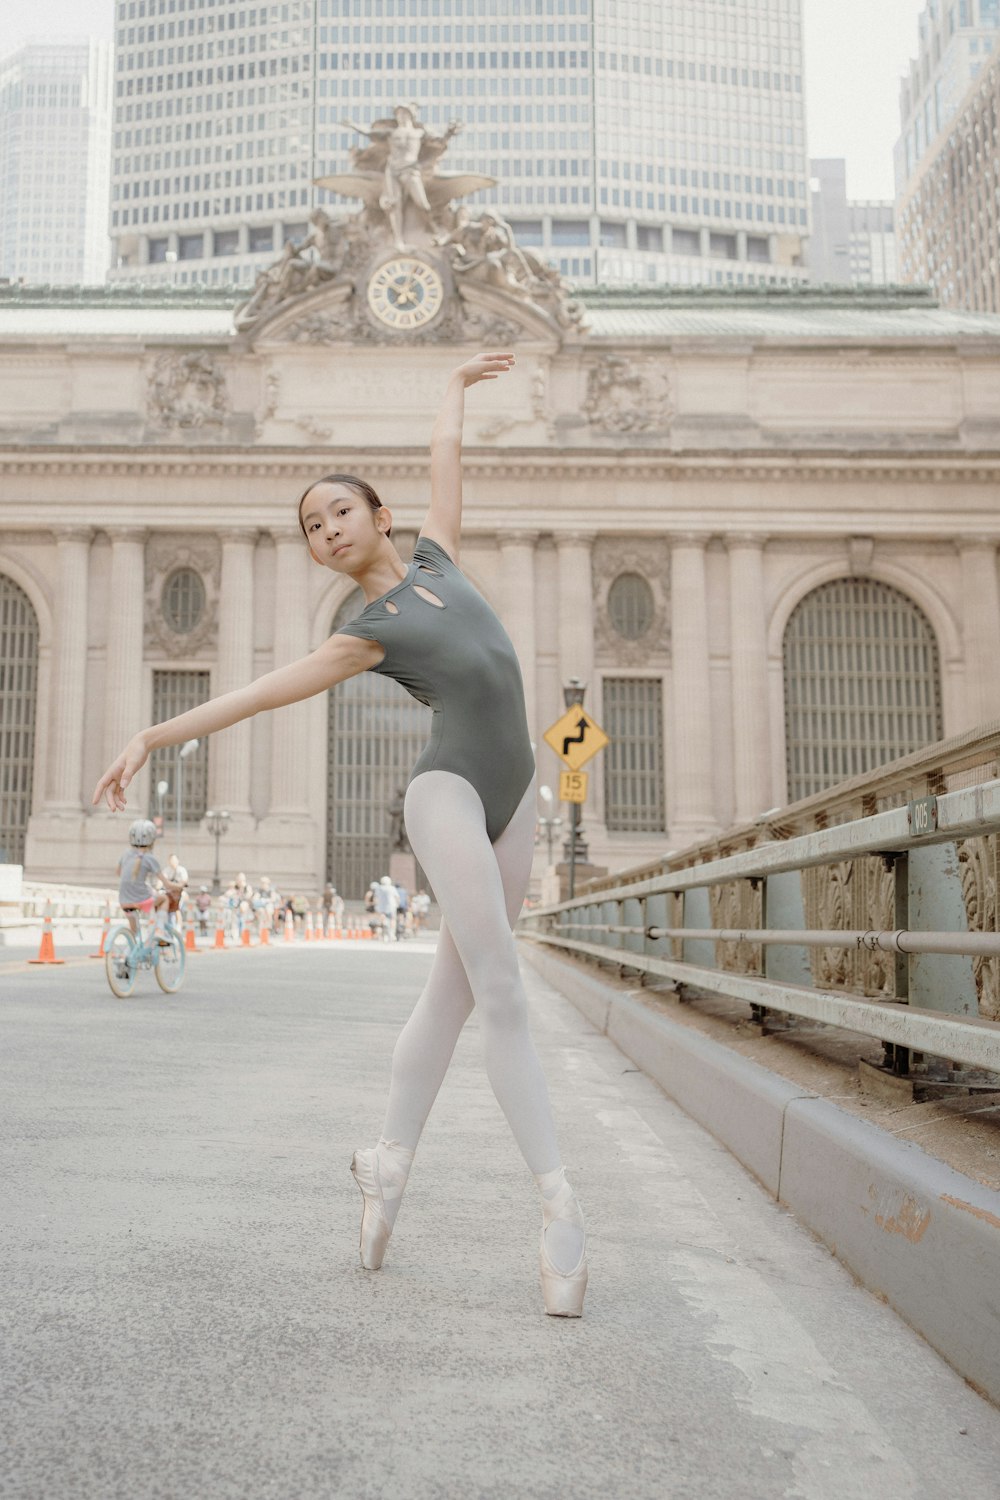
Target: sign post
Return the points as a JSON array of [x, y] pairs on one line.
[[576, 738]]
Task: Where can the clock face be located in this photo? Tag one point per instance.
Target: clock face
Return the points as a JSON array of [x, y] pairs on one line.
[[405, 293]]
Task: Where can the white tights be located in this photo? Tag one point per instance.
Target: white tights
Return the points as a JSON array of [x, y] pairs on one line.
[[480, 888]]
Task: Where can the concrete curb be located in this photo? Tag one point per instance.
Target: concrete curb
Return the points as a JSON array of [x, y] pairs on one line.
[[911, 1229]]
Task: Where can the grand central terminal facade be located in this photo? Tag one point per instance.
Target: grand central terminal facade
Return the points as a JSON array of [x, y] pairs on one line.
[[760, 526]]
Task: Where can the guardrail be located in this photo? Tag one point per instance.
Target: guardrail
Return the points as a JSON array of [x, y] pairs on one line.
[[921, 977]]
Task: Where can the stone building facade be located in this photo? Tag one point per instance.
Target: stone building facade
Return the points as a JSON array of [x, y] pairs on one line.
[[761, 528]]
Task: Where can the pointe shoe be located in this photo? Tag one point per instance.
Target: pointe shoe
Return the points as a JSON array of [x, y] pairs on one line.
[[563, 1291], [375, 1229]]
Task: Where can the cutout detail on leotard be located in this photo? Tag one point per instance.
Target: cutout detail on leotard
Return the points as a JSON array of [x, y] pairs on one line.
[[393, 609], [428, 596]]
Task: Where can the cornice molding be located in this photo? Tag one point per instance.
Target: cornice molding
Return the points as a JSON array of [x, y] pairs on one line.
[[594, 464]]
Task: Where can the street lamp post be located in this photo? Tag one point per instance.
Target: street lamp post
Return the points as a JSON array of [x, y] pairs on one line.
[[548, 824], [183, 751], [573, 694], [162, 788], [217, 824]]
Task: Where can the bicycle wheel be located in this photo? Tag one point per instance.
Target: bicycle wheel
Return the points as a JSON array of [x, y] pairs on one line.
[[169, 965], [120, 962]]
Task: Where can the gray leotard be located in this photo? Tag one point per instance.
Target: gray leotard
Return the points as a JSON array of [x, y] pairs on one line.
[[459, 660]]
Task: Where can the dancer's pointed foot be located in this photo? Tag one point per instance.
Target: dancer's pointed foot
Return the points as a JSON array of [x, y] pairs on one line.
[[563, 1250], [381, 1174]]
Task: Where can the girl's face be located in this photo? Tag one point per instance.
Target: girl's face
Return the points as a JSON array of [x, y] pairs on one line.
[[342, 530]]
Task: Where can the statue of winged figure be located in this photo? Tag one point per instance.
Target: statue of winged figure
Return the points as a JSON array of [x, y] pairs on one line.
[[396, 175]]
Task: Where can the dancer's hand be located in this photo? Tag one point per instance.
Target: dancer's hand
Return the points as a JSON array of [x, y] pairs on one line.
[[116, 778], [484, 367]]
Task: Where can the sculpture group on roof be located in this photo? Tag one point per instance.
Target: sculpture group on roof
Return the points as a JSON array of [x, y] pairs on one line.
[[409, 206]]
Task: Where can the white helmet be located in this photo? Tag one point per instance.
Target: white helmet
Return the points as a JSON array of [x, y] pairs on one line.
[[142, 833]]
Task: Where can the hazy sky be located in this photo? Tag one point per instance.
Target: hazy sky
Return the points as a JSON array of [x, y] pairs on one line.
[[855, 53]]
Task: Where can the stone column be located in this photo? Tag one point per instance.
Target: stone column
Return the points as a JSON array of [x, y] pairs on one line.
[[231, 748], [689, 769], [981, 626], [69, 670], [517, 549], [123, 674], [291, 640], [576, 610], [748, 664]]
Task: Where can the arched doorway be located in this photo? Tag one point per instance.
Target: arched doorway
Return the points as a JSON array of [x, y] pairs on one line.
[[862, 683], [375, 733], [18, 705]]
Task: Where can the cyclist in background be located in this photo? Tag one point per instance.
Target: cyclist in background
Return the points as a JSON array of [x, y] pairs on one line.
[[137, 868]]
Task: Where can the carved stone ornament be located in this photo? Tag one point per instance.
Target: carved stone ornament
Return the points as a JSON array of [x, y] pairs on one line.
[[187, 391], [737, 906], [628, 395], [856, 896], [977, 860], [165, 554], [649, 557], [410, 264], [272, 396]]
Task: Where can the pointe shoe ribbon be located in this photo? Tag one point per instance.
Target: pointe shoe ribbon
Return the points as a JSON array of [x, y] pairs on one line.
[[375, 1230], [563, 1291], [381, 1176]]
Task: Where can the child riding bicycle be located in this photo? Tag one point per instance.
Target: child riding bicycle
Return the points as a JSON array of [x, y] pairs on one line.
[[136, 869]]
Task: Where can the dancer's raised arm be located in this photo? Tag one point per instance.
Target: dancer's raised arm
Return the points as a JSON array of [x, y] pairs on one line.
[[337, 659], [444, 518]]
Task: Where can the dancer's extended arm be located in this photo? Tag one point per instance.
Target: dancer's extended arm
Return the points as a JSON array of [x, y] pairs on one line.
[[338, 658], [444, 518]]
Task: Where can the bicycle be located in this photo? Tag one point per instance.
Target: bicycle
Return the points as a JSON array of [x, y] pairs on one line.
[[126, 952]]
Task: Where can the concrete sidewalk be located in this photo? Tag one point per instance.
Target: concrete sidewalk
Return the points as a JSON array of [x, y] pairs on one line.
[[184, 1314]]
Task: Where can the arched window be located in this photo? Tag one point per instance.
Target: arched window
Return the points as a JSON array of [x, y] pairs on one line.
[[862, 683], [18, 703], [631, 606], [376, 731], [183, 600]]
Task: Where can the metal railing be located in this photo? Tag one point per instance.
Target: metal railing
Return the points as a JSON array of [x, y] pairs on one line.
[[923, 977]]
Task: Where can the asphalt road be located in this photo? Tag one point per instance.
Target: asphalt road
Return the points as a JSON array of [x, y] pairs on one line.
[[183, 1313]]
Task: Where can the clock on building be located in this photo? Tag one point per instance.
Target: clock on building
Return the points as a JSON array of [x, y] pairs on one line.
[[405, 293]]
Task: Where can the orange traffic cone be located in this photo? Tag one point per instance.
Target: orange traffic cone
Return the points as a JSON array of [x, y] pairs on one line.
[[309, 927], [190, 940], [104, 933], [220, 931], [47, 948], [289, 927], [245, 937], [265, 933]]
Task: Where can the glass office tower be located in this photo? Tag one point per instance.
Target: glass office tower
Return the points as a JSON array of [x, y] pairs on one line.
[[55, 144], [632, 140]]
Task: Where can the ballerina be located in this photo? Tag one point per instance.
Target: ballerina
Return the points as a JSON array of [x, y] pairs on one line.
[[469, 811]]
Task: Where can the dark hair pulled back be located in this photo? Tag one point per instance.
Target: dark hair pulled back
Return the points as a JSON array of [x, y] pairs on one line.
[[360, 486]]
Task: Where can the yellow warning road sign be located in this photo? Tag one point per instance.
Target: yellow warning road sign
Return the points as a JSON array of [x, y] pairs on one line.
[[576, 738], [573, 786]]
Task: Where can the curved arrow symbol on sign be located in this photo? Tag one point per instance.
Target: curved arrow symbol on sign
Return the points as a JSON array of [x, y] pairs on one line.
[[576, 739]]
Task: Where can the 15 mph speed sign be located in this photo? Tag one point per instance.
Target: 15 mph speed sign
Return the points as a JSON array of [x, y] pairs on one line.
[[576, 738]]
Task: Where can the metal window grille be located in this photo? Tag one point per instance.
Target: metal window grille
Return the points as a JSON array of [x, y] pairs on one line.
[[376, 732], [862, 683], [633, 762], [183, 600], [630, 606], [18, 703], [174, 693]]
